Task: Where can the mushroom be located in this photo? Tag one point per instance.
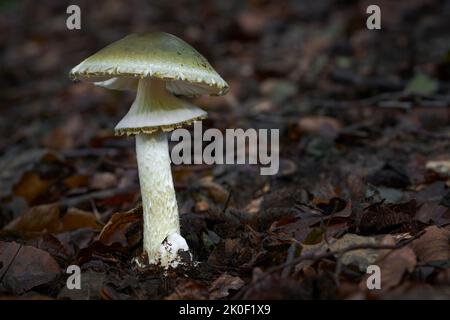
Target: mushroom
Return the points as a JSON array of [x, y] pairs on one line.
[[157, 65]]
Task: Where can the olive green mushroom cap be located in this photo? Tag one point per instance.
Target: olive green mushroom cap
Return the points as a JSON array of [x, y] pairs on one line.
[[151, 55]]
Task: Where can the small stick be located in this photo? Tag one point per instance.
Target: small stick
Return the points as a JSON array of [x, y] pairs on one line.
[[103, 194], [290, 256]]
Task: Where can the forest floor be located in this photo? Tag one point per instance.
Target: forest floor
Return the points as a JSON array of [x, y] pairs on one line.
[[364, 120]]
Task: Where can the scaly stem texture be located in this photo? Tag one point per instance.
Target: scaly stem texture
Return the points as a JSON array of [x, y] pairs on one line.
[[158, 195]]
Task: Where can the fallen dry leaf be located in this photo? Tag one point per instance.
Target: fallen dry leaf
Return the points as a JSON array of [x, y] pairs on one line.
[[361, 258], [92, 285], [189, 290], [434, 245], [394, 263], [43, 218], [433, 212], [254, 206], [76, 181], [441, 167], [30, 267], [30, 186], [14, 165], [124, 228], [253, 22], [66, 136], [214, 190], [325, 126], [103, 180], [222, 285], [77, 219], [380, 217]]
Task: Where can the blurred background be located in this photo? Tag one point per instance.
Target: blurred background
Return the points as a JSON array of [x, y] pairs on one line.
[[363, 116]]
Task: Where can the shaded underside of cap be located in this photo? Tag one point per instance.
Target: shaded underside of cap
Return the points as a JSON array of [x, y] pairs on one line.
[[178, 87], [158, 55]]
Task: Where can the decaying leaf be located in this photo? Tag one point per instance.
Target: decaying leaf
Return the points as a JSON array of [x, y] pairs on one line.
[[434, 245], [433, 212], [326, 126], [46, 218], [395, 263], [104, 180], [36, 220], [189, 290], [222, 285], [30, 186], [28, 268], [214, 190], [14, 166], [76, 219], [360, 258], [422, 84], [92, 285], [124, 228], [441, 167], [384, 218]]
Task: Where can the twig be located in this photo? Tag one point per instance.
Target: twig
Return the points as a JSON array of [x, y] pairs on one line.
[[431, 135], [10, 263], [95, 210], [337, 271], [227, 202], [289, 258], [86, 152], [103, 194]]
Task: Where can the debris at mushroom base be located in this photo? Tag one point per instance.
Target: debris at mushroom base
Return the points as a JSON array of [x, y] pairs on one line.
[[174, 251]]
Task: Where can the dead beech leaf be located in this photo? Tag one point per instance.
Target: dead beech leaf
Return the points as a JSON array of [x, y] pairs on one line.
[[441, 167], [43, 218], [433, 245], [8, 251], [395, 263], [29, 268], [433, 212], [253, 22], [361, 258], [124, 228], [325, 126], [201, 206], [380, 217], [323, 191], [293, 227], [189, 290], [103, 180], [215, 190], [76, 181], [67, 135], [77, 219], [93, 283], [30, 186], [222, 285], [336, 207], [254, 206], [14, 165]]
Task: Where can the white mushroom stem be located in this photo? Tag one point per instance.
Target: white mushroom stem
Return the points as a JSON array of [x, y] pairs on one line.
[[158, 195], [155, 108]]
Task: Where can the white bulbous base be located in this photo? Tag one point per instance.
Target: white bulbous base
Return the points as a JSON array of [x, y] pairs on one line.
[[169, 250]]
